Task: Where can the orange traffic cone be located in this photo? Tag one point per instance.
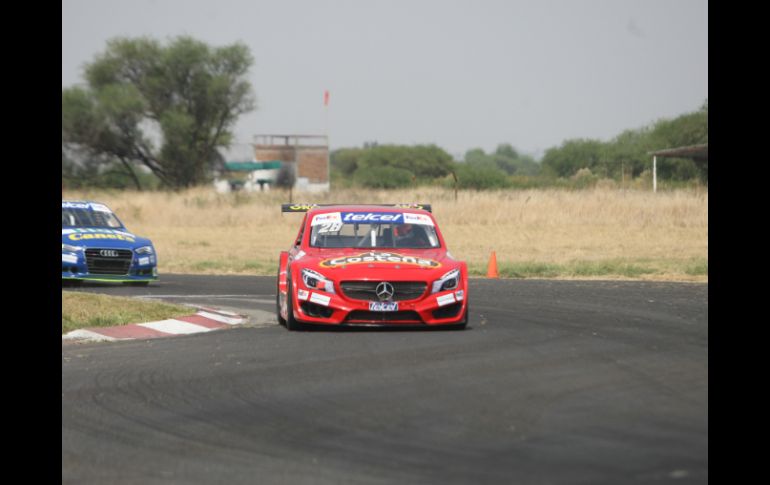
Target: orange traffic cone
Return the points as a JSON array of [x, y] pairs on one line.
[[492, 267]]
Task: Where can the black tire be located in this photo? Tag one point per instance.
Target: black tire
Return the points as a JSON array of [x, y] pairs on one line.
[[291, 322], [281, 321]]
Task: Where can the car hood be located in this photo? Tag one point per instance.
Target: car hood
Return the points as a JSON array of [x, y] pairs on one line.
[[394, 264], [102, 238]]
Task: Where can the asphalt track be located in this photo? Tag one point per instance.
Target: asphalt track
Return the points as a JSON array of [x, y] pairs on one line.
[[554, 382]]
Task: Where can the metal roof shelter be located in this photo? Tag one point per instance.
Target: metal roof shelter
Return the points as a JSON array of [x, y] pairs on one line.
[[698, 153], [251, 166]]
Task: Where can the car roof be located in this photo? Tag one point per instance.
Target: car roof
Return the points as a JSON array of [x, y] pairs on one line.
[[76, 201]]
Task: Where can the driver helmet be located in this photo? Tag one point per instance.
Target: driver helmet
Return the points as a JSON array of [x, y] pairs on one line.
[[403, 230]]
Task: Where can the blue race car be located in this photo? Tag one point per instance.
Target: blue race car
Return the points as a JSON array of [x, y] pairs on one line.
[[96, 246]]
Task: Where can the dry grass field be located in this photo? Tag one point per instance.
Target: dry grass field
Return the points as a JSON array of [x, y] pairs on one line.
[[599, 233]]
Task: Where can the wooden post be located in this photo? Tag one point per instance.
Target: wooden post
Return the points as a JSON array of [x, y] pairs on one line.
[[654, 173], [622, 175]]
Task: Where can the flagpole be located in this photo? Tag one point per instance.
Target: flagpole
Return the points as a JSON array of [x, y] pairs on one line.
[[326, 130], [326, 114]]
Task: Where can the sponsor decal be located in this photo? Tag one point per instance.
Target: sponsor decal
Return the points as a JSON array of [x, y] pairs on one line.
[[380, 257], [86, 234], [143, 261], [372, 217], [320, 299], [417, 219], [383, 306], [85, 237], [326, 218], [74, 205], [301, 207], [445, 299], [69, 258], [86, 205], [302, 294]]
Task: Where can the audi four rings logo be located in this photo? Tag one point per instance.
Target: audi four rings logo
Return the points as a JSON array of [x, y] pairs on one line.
[[110, 253], [384, 291]]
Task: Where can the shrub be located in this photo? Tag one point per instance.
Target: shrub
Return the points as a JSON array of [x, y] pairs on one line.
[[480, 177], [384, 177], [583, 178]]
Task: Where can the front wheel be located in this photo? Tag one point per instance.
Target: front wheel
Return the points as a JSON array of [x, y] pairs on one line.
[[463, 324], [291, 323], [281, 321]]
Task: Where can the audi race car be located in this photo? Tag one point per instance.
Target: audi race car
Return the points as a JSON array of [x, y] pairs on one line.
[[370, 265], [96, 246]]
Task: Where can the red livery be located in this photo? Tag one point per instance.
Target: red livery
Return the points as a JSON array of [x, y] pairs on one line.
[[370, 265]]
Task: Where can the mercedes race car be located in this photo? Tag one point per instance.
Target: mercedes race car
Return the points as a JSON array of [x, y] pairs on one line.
[[370, 265], [96, 246]]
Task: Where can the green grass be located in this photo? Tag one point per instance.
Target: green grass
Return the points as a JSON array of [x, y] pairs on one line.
[[698, 268], [86, 310]]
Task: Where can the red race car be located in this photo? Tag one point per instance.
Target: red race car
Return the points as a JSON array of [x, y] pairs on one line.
[[370, 265]]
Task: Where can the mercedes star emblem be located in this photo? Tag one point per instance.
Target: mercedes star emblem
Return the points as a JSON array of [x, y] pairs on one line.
[[385, 291]]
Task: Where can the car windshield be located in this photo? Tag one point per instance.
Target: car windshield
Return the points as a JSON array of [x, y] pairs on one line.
[[373, 235], [71, 217]]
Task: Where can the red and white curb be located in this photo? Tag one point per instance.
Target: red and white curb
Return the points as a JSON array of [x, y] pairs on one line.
[[204, 320]]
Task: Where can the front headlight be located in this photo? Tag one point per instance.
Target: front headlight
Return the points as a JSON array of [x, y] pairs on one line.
[[449, 281], [70, 248], [144, 250], [317, 281]]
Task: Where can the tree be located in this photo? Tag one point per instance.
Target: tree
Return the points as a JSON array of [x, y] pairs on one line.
[[424, 161], [384, 177], [345, 160], [506, 150], [187, 94], [481, 175], [286, 176], [505, 158], [571, 156]]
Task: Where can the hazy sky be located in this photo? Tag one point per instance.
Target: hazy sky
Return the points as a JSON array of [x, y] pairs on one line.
[[457, 73]]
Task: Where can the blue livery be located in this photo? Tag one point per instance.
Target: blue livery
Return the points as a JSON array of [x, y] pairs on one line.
[[372, 217], [96, 246]]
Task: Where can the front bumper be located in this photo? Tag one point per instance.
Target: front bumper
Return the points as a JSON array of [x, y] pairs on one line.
[[320, 307], [74, 267]]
